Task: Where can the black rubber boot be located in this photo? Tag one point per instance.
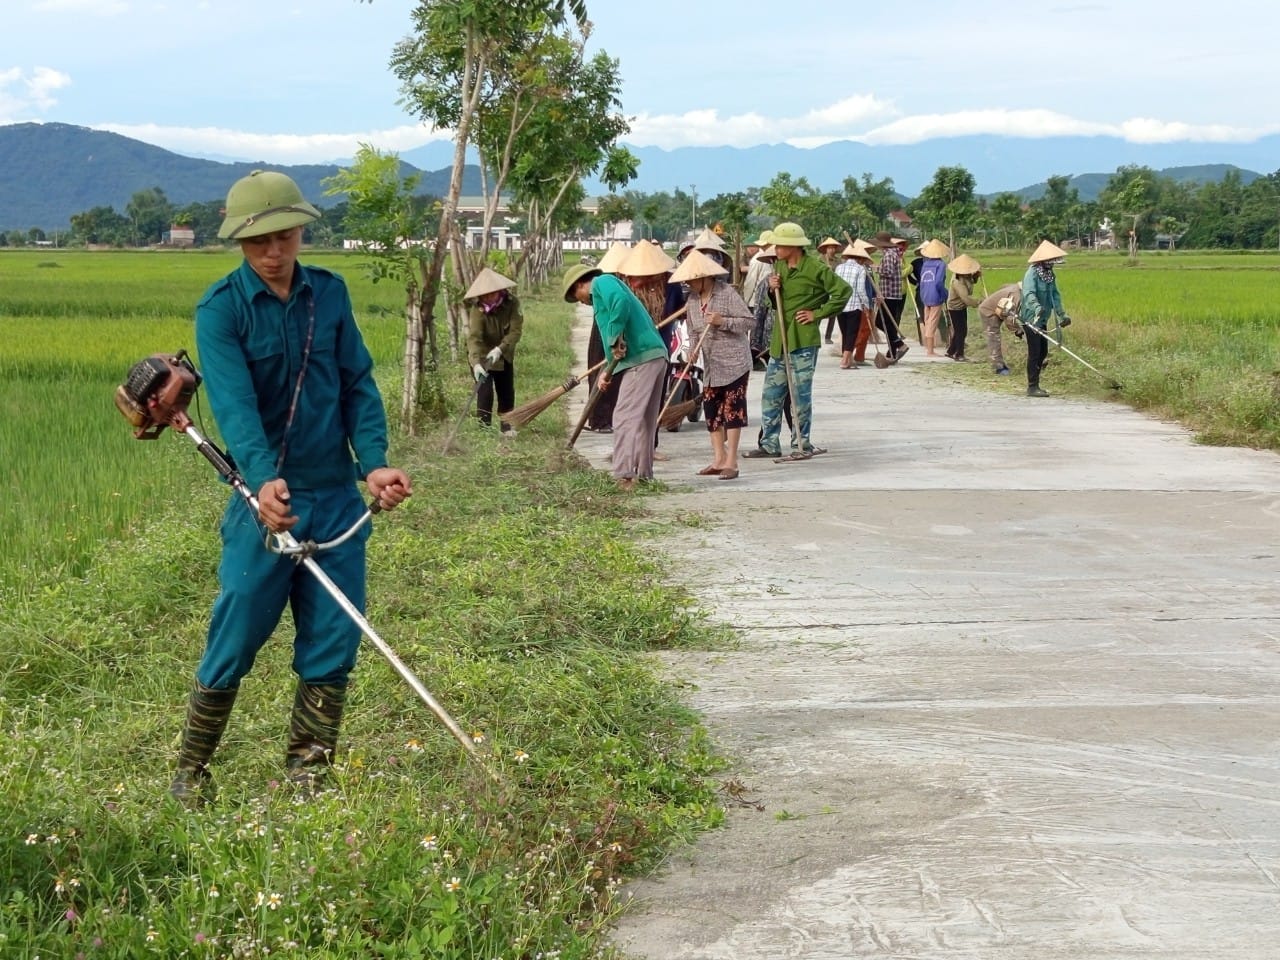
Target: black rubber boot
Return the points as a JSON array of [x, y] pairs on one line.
[[313, 733], [207, 713], [1035, 391]]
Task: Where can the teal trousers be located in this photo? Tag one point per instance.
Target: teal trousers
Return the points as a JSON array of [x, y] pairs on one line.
[[256, 584]]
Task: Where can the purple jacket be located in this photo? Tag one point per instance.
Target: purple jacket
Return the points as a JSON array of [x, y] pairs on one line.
[[933, 282]]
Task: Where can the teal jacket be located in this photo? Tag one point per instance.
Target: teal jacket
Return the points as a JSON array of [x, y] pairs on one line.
[[619, 313], [812, 285], [1039, 300], [251, 347]]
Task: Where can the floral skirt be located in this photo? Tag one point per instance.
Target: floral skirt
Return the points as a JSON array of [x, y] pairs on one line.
[[725, 407]]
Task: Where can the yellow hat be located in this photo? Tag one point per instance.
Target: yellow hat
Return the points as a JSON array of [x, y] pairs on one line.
[[645, 260], [935, 249], [696, 265], [616, 253], [1046, 251], [487, 281]]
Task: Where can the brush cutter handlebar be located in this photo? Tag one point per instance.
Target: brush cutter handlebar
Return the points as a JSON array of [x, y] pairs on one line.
[[156, 395]]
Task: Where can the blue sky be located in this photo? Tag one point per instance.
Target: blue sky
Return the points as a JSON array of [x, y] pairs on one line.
[[287, 81]]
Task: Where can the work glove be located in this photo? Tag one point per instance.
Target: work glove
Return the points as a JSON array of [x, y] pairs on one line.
[[479, 371], [492, 357], [1064, 322]]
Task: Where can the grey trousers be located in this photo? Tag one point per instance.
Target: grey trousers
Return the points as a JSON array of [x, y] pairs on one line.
[[635, 419]]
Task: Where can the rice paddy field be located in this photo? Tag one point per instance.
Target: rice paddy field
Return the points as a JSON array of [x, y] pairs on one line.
[[1192, 337]]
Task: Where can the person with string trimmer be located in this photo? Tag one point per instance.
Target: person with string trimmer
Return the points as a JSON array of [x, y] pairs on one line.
[[806, 291], [1040, 302], [290, 383]]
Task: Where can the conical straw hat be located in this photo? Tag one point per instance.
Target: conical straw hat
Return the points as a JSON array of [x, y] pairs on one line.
[[964, 266], [829, 242], [850, 251], [863, 249], [697, 264], [708, 238], [935, 249], [645, 260], [616, 253], [487, 281], [1046, 251]]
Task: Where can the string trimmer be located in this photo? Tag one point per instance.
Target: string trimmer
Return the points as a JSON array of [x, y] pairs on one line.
[[156, 395]]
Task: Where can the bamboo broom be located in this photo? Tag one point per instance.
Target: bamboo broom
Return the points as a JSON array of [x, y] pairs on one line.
[[519, 416], [669, 416]]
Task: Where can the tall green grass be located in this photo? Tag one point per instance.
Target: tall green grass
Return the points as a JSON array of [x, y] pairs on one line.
[[1191, 337]]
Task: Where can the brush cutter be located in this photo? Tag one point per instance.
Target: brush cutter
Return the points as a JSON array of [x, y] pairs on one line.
[[156, 395], [1112, 382]]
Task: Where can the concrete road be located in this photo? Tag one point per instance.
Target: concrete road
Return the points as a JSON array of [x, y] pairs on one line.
[[1008, 687]]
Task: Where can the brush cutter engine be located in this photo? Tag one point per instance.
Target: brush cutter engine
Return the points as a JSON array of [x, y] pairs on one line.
[[157, 392]]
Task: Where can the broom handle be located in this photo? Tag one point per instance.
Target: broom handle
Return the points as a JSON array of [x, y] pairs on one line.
[[590, 404], [786, 362], [595, 393], [685, 372]]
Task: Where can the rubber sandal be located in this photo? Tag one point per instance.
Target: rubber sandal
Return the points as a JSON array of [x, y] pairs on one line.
[[730, 474], [760, 454], [708, 471]]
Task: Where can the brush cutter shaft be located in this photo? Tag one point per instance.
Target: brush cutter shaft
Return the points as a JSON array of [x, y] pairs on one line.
[[1111, 380], [292, 547]]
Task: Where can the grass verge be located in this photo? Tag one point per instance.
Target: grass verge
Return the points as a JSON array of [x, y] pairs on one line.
[[514, 583]]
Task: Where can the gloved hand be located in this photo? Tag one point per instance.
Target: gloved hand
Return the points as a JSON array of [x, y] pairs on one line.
[[479, 371], [492, 357], [1064, 322]]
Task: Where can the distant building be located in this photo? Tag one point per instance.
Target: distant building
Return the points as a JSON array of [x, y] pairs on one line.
[[179, 236], [901, 222]]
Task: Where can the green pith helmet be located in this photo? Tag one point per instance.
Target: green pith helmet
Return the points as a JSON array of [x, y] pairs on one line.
[[790, 235], [573, 275], [264, 202]]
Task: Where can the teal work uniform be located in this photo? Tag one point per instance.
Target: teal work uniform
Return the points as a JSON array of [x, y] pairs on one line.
[[251, 349]]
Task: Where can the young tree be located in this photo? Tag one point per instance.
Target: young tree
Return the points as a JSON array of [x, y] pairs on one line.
[[150, 212], [1006, 213], [384, 212], [948, 199]]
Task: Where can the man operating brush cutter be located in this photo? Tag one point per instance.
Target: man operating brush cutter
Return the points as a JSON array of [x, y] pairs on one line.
[[290, 382]]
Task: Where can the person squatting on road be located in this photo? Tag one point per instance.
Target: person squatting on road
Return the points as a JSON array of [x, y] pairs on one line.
[[1040, 300], [933, 290], [494, 326], [635, 346], [960, 298], [719, 320], [290, 383], [810, 291], [1000, 306]]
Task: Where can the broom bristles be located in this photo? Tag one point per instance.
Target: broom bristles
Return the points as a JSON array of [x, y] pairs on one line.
[[519, 416], [677, 412]]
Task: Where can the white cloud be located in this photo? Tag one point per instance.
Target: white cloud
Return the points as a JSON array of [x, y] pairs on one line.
[[855, 118], [23, 93], [102, 8], [276, 148], [705, 127]]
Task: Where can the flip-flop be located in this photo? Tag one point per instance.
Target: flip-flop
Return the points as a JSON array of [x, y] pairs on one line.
[[708, 471], [759, 454], [730, 474]]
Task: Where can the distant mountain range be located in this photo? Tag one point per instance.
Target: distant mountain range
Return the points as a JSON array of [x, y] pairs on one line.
[[50, 171], [1014, 164]]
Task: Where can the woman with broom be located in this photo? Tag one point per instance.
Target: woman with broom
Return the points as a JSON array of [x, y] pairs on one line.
[[719, 323], [494, 326]]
